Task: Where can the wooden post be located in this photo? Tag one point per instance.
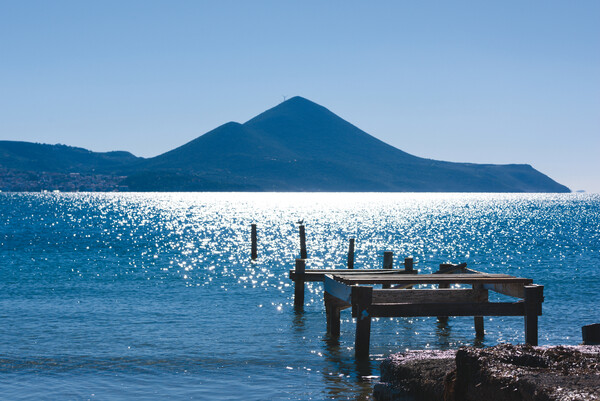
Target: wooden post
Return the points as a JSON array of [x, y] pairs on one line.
[[479, 328], [363, 297], [388, 260], [333, 316], [534, 296], [478, 320], [443, 319], [388, 263], [299, 284], [408, 264], [351, 254], [302, 242], [254, 243]]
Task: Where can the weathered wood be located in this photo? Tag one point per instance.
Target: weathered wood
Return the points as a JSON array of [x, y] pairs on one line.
[[478, 320], [388, 260], [303, 253], [332, 311], [591, 334], [427, 296], [254, 243], [351, 254], [362, 297], [319, 274], [448, 309], [408, 265], [512, 290], [446, 268], [442, 286], [338, 290], [412, 279], [479, 327], [334, 321], [534, 296], [299, 284], [388, 263]]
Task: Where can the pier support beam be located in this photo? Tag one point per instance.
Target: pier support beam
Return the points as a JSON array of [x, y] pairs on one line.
[[254, 243], [351, 254], [443, 319], [388, 263], [408, 264], [299, 284], [388, 260], [362, 297], [332, 311], [478, 320], [534, 296], [303, 254], [479, 327]]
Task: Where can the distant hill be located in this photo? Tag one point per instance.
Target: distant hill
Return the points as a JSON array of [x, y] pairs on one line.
[[60, 158], [295, 146], [301, 146], [26, 166]]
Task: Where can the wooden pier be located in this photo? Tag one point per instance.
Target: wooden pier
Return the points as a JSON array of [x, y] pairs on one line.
[[355, 289]]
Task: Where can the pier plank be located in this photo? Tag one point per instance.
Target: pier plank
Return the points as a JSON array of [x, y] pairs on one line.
[[448, 309], [516, 290], [428, 296], [339, 290], [433, 279], [319, 274]]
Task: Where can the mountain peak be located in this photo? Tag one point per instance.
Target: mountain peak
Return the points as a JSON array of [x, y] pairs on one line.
[[294, 108]]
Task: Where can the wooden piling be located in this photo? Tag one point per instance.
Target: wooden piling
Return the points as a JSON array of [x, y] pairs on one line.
[[388, 260], [254, 243], [443, 319], [351, 254], [479, 328], [303, 254], [388, 263], [478, 320], [299, 284], [364, 297], [408, 264], [534, 296], [332, 311]]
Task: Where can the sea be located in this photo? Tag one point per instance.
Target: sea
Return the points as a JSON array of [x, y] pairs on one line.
[[153, 296]]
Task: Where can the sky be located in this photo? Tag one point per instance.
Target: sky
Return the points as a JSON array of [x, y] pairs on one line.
[[467, 81]]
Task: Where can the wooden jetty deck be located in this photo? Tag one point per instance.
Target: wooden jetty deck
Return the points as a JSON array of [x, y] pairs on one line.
[[355, 289]]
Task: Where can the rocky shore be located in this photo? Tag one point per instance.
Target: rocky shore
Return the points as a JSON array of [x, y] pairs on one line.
[[500, 373]]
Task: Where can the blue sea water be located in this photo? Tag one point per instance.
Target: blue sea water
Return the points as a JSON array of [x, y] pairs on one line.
[[154, 296]]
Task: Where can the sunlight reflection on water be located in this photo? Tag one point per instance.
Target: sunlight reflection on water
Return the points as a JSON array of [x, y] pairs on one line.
[[140, 286]]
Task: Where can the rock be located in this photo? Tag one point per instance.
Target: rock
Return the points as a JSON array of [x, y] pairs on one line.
[[591, 334], [414, 375], [501, 373], [522, 372]]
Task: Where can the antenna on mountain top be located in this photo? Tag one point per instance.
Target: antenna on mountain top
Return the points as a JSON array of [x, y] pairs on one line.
[[284, 97]]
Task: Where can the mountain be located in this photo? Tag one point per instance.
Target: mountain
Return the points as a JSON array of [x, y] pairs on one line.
[[301, 146], [26, 166], [29, 156], [295, 146]]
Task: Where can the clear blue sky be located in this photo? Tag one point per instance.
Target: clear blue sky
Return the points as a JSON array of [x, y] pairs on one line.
[[476, 81]]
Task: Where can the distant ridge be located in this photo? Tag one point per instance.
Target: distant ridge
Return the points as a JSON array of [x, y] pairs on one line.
[[297, 145], [302, 146], [60, 158]]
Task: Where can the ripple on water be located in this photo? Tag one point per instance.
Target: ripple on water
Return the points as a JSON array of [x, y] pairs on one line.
[[153, 295]]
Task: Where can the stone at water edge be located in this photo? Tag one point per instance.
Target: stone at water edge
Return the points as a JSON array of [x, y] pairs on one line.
[[417, 373]]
